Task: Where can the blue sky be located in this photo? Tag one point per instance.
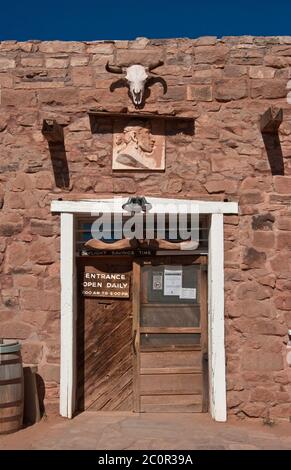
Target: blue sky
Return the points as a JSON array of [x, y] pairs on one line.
[[128, 19]]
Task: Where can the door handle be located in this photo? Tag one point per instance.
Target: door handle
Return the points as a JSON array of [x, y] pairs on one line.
[[133, 342]]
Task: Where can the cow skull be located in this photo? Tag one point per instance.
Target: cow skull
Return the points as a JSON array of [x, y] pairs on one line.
[[136, 77]]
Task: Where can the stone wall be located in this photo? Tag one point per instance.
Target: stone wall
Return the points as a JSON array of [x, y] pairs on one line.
[[226, 85]]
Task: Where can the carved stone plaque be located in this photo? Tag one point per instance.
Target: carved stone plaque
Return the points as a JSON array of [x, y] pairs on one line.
[[139, 144]]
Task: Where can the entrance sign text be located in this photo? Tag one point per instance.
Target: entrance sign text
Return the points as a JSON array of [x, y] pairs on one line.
[[98, 284]]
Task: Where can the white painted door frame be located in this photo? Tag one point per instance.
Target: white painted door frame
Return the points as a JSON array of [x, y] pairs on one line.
[[216, 361]]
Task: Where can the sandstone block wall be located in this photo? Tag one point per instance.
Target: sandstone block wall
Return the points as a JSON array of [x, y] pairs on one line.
[[226, 85]]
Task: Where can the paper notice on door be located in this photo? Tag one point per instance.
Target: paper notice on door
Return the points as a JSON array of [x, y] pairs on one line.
[[187, 293], [158, 281], [173, 280]]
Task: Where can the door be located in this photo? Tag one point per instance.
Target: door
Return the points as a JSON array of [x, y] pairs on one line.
[[104, 335], [170, 335]]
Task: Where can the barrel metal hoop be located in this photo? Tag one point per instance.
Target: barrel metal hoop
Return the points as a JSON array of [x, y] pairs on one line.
[[7, 362], [9, 348], [11, 404], [10, 418], [11, 381]]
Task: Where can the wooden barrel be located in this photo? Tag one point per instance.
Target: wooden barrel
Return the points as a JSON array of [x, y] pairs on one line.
[[11, 388]]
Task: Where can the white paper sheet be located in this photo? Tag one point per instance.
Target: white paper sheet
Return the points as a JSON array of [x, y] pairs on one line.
[[158, 281], [187, 293], [173, 280]]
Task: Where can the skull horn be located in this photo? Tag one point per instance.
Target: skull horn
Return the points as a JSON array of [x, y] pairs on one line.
[[100, 245], [114, 68], [155, 65]]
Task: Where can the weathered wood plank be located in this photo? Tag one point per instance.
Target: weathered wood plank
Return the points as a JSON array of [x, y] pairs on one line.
[[204, 332], [170, 370], [271, 120], [136, 334], [168, 329], [141, 115], [171, 403], [52, 131], [170, 359], [105, 369], [172, 384]]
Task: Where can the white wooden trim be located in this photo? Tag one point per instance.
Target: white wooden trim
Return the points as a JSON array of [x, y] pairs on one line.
[[159, 205], [216, 361], [68, 317], [217, 379]]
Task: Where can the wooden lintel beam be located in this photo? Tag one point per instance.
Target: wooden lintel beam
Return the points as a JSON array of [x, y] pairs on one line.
[[141, 115], [52, 131], [271, 120]]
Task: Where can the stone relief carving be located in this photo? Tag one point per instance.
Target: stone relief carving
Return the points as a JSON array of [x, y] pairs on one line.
[[139, 145]]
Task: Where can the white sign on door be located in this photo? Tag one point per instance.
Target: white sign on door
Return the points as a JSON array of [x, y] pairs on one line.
[[173, 280]]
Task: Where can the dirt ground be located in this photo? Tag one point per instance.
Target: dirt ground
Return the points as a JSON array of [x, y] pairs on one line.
[[108, 431]]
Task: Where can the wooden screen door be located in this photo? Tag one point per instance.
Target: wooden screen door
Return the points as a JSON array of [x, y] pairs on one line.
[[170, 335]]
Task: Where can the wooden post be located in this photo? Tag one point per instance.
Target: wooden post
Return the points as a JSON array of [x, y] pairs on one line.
[[52, 131], [217, 381], [68, 317], [271, 120], [204, 331], [136, 335]]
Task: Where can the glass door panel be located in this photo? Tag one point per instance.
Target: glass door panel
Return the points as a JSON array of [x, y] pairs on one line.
[[170, 306], [170, 335]]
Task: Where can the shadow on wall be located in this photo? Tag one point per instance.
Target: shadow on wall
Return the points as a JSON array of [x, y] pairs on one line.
[[40, 386], [274, 152], [102, 124], [34, 394], [54, 133], [269, 123], [60, 164]]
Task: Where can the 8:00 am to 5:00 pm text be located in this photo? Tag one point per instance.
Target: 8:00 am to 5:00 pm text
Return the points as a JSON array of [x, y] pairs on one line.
[[146, 459]]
